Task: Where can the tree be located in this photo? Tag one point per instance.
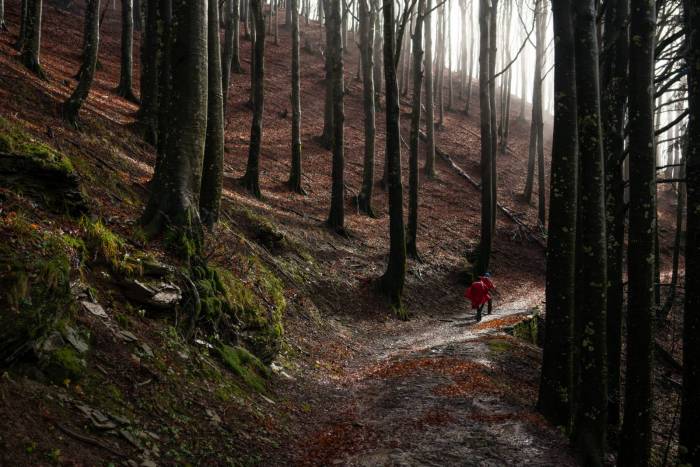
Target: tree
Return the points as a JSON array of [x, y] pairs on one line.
[[213, 166], [690, 405], [429, 167], [31, 39], [231, 61], [536, 146], [71, 107], [493, 49], [251, 179], [590, 422], [413, 180], [3, 27], [487, 224], [22, 36], [367, 22], [336, 217], [150, 63], [126, 88], [327, 134], [164, 83], [614, 78], [173, 203], [556, 384], [295, 174], [392, 281]]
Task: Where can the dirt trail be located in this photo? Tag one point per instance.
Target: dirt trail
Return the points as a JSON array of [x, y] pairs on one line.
[[435, 391]]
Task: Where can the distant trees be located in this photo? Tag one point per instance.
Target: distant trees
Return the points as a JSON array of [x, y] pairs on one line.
[[72, 106], [126, 87]]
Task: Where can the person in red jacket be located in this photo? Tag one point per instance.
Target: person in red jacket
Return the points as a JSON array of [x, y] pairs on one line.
[[478, 294]]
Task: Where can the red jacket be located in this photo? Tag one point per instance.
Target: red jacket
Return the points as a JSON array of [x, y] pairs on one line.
[[478, 292]]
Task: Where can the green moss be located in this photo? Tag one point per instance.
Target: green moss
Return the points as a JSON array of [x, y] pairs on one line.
[[261, 229], [15, 141], [499, 345], [109, 247], [246, 365], [64, 364]]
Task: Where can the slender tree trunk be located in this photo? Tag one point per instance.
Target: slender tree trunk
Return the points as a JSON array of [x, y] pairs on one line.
[[231, 61], [493, 50], [413, 179], [486, 241], [150, 60], [450, 87], [3, 27], [471, 56], [174, 200], [440, 81], [336, 217], [690, 407], [22, 36], [378, 44], [429, 167], [556, 384], [535, 144], [251, 179], [614, 78], [71, 107], [295, 176], [126, 87], [367, 22], [589, 432], [393, 280], [164, 71], [213, 166], [327, 135], [31, 45]]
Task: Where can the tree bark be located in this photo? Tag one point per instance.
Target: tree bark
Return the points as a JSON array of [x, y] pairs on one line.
[[336, 217], [3, 27], [213, 166], [150, 62], [295, 175], [589, 432], [413, 179], [31, 45], [231, 58], [429, 167], [367, 22], [22, 36], [493, 51], [126, 86], [556, 384], [251, 179], [71, 107], [173, 201]]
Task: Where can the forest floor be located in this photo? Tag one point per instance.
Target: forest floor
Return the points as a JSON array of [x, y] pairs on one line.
[[354, 385]]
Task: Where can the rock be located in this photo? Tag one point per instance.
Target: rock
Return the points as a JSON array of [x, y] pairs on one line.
[[95, 309], [145, 349], [53, 342], [75, 339], [213, 416], [126, 336], [161, 295]]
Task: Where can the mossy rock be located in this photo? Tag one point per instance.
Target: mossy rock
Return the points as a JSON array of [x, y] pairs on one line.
[[244, 364], [64, 365], [35, 270], [33, 169]]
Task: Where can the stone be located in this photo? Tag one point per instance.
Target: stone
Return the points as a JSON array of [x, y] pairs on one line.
[[94, 309], [75, 339]]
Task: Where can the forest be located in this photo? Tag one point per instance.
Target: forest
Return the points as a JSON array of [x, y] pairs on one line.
[[349, 232]]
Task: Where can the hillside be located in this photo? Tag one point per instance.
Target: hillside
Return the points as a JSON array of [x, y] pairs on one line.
[[117, 383]]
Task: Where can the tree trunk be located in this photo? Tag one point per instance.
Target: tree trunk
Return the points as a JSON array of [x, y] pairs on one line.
[[535, 144], [413, 179], [251, 179], [231, 58], [378, 38], [440, 81], [22, 36], [173, 201], [471, 56], [31, 45], [556, 384], [213, 166], [336, 217], [429, 167], [150, 60], [3, 27], [327, 135], [486, 241], [367, 22], [71, 107], [393, 280], [614, 99], [164, 89], [126, 87], [493, 50], [589, 432], [295, 175]]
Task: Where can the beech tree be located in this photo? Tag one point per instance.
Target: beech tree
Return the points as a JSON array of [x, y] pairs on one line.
[[231, 61], [413, 181], [151, 47], [213, 164], [590, 422], [295, 175], [690, 406], [3, 26], [556, 385], [126, 87], [30, 38], [72, 106], [429, 167], [173, 202], [367, 22]]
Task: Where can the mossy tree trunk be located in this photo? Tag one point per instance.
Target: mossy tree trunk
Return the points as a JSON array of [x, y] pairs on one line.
[[614, 78], [590, 423], [251, 179], [71, 107], [336, 217], [393, 280], [126, 86], [486, 241], [690, 406], [367, 22], [635, 446], [173, 203], [413, 177], [295, 175], [31, 43], [429, 167], [213, 166], [556, 383]]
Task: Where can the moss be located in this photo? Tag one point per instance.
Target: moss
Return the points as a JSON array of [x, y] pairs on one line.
[[499, 345], [261, 229], [108, 247], [246, 365], [64, 364], [15, 141]]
